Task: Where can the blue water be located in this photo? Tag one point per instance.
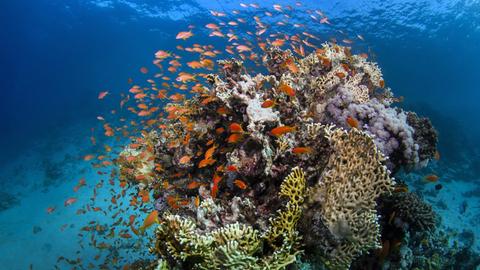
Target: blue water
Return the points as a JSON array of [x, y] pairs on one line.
[[57, 55]]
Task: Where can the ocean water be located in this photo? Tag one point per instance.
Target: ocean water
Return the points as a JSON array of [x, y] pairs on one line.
[[56, 56]]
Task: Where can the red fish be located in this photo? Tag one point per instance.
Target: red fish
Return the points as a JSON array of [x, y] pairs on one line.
[[236, 128], [240, 184], [287, 89], [70, 201], [431, 178], [101, 95], [268, 103], [184, 35], [281, 130], [302, 150], [352, 122]]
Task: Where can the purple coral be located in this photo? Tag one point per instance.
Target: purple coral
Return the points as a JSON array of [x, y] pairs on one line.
[[392, 134]]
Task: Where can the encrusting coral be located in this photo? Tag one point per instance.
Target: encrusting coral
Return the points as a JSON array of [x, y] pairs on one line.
[[224, 165]]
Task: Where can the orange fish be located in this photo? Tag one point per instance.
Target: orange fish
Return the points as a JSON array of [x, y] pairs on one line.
[[236, 128], [281, 130], [193, 185], [88, 157], [268, 103], [125, 235], [184, 159], [352, 122], [290, 64], [243, 48], [232, 168], [240, 184], [431, 178], [185, 77], [149, 220], [177, 97], [216, 180], [70, 201], [162, 54], [184, 35], [436, 156], [209, 152], [278, 42], [206, 162], [287, 89], [234, 138], [144, 70], [50, 209], [194, 64], [101, 95], [301, 150]]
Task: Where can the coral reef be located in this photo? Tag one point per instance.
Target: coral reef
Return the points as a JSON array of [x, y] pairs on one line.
[[253, 168], [180, 243]]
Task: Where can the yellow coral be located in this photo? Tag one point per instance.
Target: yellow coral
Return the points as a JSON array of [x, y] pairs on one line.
[[283, 225], [355, 177]]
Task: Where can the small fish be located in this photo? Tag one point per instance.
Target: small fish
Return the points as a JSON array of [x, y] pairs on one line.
[[210, 151], [70, 201], [162, 54], [436, 156], [184, 35], [235, 128], [184, 160], [50, 209], [268, 103], [234, 138], [206, 162], [243, 48], [431, 178], [400, 188], [278, 42], [185, 77], [240, 184], [352, 122], [216, 181], [102, 95], [88, 157], [287, 89], [232, 168], [149, 220], [281, 130], [193, 185], [144, 70], [301, 150], [212, 26], [290, 64]]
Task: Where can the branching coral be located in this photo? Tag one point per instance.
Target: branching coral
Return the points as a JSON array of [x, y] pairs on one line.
[[234, 246]]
